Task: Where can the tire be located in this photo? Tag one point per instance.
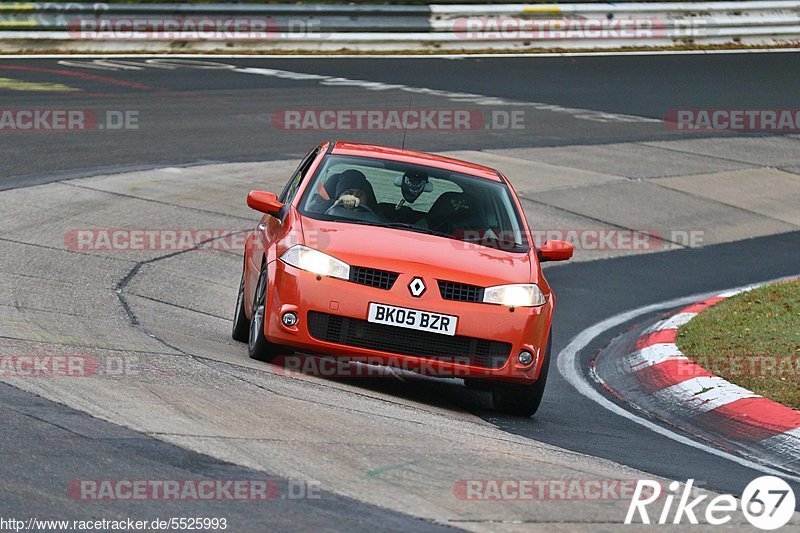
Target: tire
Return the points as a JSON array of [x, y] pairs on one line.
[[241, 325], [523, 400], [258, 347]]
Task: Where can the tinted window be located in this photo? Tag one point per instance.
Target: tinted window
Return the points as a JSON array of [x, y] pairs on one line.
[[294, 182], [450, 204]]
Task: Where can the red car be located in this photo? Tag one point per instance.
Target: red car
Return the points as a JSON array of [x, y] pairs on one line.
[[405, 258]]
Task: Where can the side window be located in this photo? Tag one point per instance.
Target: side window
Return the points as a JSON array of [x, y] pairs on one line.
[[291, 187]]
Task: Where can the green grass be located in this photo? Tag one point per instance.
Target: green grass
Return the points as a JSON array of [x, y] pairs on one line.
[[751, 339]]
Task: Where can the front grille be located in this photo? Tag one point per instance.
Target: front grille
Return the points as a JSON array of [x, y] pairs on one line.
[[372, 277], [363, 334], [460, 292]]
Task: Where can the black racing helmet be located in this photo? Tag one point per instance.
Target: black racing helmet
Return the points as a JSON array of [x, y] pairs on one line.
[[413, 184]]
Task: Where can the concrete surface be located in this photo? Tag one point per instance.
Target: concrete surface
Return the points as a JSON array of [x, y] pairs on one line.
[[529, 176], [773, 151], [632, 160], [68, 443], [643, 205], [766, 191]]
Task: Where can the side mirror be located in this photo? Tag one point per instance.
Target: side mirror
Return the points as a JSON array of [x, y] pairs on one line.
[[555, 251], [266, 202]]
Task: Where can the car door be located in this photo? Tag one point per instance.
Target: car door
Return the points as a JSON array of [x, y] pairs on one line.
[[269, 227]]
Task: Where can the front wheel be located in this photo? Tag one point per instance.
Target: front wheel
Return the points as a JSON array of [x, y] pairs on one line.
[[241, 326], [522, 400], [258, 347]]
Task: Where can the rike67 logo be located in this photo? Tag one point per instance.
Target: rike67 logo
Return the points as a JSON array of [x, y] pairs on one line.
[[768, 503]]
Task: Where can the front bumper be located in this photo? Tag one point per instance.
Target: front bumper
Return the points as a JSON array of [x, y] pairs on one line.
[[304, 293]]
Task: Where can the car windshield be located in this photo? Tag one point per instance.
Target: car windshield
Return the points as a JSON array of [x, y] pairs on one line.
[[417, 198]]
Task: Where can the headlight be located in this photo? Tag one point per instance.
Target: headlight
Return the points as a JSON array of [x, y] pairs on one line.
[[306, 258], [527, 295]]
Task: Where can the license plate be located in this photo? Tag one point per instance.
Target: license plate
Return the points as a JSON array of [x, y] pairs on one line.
[[412, 319]]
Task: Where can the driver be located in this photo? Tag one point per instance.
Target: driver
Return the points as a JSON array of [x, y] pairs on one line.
[[353, 190]]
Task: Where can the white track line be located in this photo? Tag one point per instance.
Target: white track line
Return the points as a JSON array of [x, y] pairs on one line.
[[569, 367], [453, 96]]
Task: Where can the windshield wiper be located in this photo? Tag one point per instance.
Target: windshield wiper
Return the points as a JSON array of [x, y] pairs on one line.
[[418, 229], [395, 225], [498, 243]]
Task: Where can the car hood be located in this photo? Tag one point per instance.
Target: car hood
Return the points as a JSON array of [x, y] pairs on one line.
[[415, 253]]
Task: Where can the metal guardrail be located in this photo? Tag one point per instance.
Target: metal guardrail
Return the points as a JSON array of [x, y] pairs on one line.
[[284, 27], [374, 18]]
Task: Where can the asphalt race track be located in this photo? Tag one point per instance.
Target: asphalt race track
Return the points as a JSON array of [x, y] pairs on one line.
[[189, 115], [224, 113]]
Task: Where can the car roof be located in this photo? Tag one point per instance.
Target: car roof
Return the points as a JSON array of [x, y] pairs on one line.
[[412, 156]]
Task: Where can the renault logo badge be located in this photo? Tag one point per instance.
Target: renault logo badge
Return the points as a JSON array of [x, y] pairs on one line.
[[416, 287]]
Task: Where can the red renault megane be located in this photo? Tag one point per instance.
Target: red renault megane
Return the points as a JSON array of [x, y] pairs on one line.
[[406, 258]]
